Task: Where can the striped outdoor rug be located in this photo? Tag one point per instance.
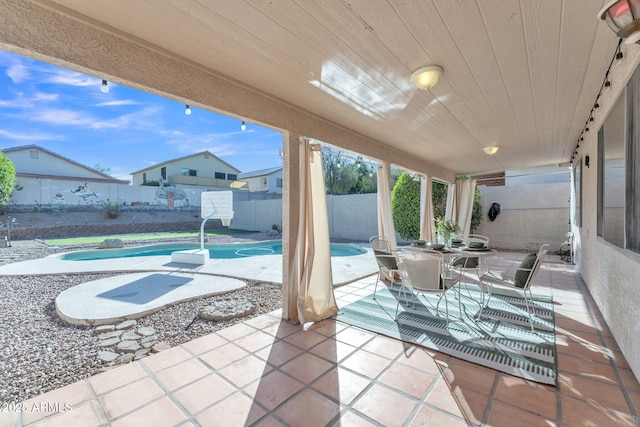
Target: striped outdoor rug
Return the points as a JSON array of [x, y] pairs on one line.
[[501, 339]]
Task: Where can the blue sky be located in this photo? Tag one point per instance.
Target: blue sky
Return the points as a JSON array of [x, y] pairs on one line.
[[124, 130]]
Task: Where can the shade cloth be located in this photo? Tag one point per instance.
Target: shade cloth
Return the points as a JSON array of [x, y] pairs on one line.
[[426, 209], [385, 217], [312, 270]]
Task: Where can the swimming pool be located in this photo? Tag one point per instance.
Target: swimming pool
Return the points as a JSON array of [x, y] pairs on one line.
[[218, 251]]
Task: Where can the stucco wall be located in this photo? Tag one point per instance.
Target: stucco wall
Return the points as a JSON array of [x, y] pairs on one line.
[[353, 217], [531, 214], [611, 273]]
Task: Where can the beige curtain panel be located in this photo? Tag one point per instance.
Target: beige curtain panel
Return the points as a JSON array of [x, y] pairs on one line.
[[313, 251], [385, 218], [451, 212], [426, 210], [465, 189]]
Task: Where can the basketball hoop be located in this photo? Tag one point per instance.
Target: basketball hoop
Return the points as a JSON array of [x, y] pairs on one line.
[[225, 221]]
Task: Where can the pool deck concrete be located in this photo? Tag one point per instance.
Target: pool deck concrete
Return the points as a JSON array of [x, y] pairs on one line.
[[263, 267], [165, 282], [131, 296]]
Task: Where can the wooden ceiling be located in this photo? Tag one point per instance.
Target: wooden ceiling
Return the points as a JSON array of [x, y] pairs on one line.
[[520, 74]]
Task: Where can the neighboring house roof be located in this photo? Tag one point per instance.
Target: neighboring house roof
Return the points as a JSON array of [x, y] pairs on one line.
[[66, 159], [186, 157], [259, 172]]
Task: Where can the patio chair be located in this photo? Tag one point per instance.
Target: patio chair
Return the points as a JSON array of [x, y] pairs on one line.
[[521, 280], [471, 263], [386, 259], [424, 272]]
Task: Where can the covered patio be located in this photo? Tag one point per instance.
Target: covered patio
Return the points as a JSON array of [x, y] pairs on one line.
[[536, 79], [267, 371]]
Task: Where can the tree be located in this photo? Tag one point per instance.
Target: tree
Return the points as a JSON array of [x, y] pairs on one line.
[[405, 207], [7, 178], [345, 176], [476, 214], [439, 198], [102, 169]]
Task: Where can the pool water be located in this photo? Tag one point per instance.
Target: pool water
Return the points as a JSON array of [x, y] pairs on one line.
[[218, 251]]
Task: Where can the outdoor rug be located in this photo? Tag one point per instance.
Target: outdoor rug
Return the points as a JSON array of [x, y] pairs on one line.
[[501, 339]]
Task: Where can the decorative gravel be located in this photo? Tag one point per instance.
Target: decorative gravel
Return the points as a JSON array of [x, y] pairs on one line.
[[39, 352]]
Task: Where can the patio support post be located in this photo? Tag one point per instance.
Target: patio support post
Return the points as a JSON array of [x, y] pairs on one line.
[[290, 222]]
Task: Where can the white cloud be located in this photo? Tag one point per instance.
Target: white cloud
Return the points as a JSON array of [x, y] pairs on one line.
[[18, 73], [21, 101], [117, 103], [80, 118], [29, 136], [61, 117], [122, 176], [70, 78]]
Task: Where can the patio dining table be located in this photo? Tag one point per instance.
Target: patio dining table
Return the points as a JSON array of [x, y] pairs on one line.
[[451, 254]]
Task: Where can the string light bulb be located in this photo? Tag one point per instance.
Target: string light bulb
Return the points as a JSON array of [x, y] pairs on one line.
[[187, 110], [243, 126], [105, 87]]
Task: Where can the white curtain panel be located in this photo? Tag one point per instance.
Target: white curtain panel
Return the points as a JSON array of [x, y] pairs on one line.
[[451, 211], [385, 218], [465, 190], [426, 210], [313, 250]]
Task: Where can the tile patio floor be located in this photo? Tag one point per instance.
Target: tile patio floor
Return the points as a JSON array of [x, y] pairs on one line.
[[269, 372]]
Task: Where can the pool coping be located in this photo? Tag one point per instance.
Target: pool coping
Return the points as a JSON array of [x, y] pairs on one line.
[[262, 268]]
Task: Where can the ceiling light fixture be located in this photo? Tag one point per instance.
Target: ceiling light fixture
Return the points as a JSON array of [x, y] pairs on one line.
[[426, 77], [623, 17], [187, 110], [105, 87], [491, 149], [243, 126]]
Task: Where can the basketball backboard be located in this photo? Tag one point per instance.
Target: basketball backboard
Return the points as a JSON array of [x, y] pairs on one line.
[[216, 204]]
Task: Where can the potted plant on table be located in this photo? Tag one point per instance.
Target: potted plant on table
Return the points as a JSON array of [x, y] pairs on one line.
[[445, 229]]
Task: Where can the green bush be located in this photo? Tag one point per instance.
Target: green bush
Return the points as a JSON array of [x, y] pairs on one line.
[[112, 209], [405, 207], [7, 178]]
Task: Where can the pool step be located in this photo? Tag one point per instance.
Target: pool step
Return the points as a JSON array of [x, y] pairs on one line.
[[191, 256]]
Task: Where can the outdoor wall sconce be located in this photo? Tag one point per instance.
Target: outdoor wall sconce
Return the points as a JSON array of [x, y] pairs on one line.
[[426, 77], [623, 17], [586, 160]]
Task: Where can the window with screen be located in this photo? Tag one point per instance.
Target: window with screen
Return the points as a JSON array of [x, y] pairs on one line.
[[632, 165], [611, 168], [577, 180]]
